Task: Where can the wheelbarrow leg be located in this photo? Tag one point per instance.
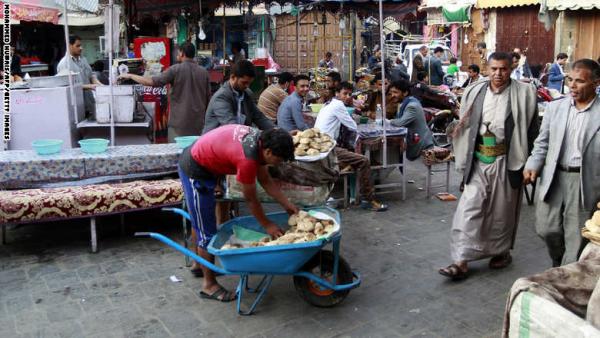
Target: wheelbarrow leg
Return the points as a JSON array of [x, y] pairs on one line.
[[261, 289], [336, 259]]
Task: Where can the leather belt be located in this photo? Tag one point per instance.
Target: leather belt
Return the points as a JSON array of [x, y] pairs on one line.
[[569, 169]]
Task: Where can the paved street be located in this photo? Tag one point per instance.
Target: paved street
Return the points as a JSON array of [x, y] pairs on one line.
[[51, 286]]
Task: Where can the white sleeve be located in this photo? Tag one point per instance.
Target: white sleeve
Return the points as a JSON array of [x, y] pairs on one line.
[[342, 114], [62, 65]]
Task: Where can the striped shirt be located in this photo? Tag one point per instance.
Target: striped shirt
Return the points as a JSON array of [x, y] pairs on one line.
[[270, 100], [576, 121]]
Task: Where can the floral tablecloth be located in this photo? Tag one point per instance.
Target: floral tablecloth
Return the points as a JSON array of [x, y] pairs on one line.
[[21, 169]]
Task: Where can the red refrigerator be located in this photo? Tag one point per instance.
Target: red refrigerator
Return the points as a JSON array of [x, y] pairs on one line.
[[152, 48], [153, 51]]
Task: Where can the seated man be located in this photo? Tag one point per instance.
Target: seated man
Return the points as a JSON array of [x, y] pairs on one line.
[[410, 115], [272, 97], [428, 96], [289, 114], [332, 80], [227, 150], [474, 75], [329, 121], [375, 98]]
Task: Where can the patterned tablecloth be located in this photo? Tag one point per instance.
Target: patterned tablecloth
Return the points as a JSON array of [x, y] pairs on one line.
[[25, 169]]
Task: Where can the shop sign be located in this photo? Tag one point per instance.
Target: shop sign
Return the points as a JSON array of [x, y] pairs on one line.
[[32, 13]]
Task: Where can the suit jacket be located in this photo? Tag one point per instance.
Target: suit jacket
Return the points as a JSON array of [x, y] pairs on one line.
[[399, 72], [433, 67], [413, 118], [546, 152], [223, 107], [524, 128], [555, 77]]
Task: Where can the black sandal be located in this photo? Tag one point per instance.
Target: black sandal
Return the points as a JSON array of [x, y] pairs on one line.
[[453, 272], [500, 261], [221, 295]]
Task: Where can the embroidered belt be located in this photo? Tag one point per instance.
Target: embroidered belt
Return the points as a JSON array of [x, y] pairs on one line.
[[492, 151]]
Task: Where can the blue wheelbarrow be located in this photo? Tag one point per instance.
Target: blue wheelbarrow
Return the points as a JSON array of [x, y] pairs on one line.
[[321, 277]]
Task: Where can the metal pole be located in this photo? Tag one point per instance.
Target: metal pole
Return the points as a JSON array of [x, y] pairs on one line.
[[224, 33], [110, 77], [383, 105], [297, 39], [69, 60]]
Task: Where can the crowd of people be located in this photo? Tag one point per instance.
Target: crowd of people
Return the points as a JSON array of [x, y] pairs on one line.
[[497, 143]]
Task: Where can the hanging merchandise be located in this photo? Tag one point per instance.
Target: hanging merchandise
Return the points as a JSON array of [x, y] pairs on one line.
[[171, 29], [182, 29]]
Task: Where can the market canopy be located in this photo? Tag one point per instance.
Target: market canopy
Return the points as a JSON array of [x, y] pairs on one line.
[[505, 3], [562, 5], [72, 5]]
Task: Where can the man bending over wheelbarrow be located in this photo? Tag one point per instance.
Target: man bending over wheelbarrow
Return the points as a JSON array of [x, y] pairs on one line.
[[227, 150]]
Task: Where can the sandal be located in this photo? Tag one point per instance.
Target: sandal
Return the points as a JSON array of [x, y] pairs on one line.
[[453, 272], [500, 261], [221, 295]]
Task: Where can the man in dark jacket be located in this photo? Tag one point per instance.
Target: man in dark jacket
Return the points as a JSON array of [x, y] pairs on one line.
[[233, 103], [399, 71], [410, 115], [419, 62], [433, 66], [556, 75]]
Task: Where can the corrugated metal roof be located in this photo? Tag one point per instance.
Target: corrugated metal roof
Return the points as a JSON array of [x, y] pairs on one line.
[[505, 3], [562, 5]]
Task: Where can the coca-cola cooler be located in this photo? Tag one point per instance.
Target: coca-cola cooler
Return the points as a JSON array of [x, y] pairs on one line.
[[153, 50], [156, 102], [156, 53]]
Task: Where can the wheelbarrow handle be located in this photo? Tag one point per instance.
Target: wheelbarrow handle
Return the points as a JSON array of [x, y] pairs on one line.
[[179, 211], [183, 250], [142, 234]]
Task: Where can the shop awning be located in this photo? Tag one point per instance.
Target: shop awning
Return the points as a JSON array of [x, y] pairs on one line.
[[23, 12], [505, 3], [72, 5], [49, 11], [83, 19], [562, 5], [456, 13]]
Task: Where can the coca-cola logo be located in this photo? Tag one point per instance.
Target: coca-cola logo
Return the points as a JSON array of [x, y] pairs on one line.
[[148, 90]]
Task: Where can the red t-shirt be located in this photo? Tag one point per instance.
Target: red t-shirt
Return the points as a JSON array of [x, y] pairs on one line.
[[230, 149]]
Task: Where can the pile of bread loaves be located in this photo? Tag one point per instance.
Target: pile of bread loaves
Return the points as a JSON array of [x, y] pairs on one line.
[[303, 228], [312, 142]]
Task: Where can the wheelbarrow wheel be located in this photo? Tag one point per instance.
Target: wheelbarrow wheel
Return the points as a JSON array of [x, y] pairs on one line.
[[322, 265]]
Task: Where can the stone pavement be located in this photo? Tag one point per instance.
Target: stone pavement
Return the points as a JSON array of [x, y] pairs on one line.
[[51, 286]]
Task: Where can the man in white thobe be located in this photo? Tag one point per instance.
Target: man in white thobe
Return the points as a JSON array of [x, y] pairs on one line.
[[491, 143]]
